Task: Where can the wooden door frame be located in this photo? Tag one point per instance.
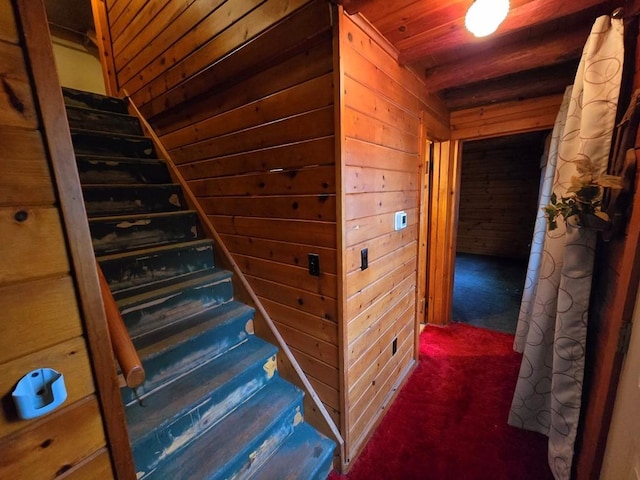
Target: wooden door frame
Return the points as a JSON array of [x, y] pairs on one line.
[[442, 230]]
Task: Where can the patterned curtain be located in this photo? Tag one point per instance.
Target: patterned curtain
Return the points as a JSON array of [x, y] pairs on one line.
[[552, 326]]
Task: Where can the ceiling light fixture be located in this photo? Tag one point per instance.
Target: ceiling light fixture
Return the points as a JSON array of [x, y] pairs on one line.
[[484, 16]]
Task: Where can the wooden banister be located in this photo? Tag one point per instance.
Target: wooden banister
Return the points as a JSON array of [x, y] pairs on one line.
[[121, 343]]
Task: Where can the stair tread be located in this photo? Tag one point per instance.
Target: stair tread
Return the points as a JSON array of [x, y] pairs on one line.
[[107, 158], [305, 454], [138, 270], [109, 186], [105, 112], [188, 281], [103, 133], [140, 216], [152, 250], [74, 97], [207, 320], [233, 438], [166, 403]]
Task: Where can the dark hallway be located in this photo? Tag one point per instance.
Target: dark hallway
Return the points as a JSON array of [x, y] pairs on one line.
[[487, 291]]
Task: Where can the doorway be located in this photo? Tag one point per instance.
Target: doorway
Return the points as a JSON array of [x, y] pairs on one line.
[[498, 201]]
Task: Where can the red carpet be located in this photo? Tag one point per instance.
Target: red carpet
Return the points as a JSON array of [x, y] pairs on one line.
[[449, 422]]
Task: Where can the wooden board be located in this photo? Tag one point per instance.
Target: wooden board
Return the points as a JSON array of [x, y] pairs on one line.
[[313, 325], [505, 118], [313, 62], [46, 305], [296, 128], [312, 180], [321, 234], [282, 252], [27, 230], [96, 466], [8, 29], [320, 305], [16, 100], [24, 171], [317, 151], [55, 444], [306, 96]]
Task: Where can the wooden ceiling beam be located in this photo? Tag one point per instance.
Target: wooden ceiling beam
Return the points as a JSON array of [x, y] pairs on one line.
[[520, 86], [501, 61], [446, 37], [353, 6]]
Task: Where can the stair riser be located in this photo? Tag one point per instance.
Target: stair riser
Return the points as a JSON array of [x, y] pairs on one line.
[[153, 449], [95, 170], [137, 271], [123, 235], [103, 201], [101, 121], [98, 102], [174, 363], [112, 145], [161, 312]]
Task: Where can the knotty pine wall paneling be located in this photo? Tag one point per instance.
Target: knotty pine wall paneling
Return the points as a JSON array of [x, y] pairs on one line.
[[499, 186], [241, 93], [42, 321], [381, 124]]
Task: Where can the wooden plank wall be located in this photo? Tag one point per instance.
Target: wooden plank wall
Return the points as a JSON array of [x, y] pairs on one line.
[[498, 195], [41, 325], [381, 127], [241, 93], [508, 118]]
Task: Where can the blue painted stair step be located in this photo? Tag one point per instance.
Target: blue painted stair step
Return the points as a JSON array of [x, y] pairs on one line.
[[202, 339], [86, 142], [156, 309], [304, 455], [240, 442], [105, 200], [129, 232], [94, 169], [89, 119], [129, 271], [173, 417], [79, 98]]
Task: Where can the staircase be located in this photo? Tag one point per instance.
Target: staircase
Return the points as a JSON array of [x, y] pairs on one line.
[[213, 405]]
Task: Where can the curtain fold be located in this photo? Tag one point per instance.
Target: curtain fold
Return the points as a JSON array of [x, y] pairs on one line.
[[552, 324]]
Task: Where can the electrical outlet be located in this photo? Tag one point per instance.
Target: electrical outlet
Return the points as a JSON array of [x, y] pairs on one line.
[[364, 259], [314, 264]]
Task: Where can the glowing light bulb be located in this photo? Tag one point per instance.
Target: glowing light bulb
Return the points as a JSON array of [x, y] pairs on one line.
[[485, 16]]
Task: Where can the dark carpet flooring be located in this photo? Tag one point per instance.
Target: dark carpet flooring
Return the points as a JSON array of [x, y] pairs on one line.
[[487, 291]]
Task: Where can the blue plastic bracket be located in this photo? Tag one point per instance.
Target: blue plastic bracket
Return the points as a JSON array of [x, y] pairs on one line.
[[39, 392]]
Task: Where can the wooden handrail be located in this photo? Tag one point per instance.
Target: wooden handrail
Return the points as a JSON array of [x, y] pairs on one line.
[[121, 343]]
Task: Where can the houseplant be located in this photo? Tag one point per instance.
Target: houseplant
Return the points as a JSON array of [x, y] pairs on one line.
[[581, 206]]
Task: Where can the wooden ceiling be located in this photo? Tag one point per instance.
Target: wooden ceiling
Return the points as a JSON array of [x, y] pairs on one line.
[[534, 52]]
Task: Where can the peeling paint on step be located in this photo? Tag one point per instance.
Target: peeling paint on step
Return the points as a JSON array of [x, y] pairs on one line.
[[204, 420], [271, 366], [249, 327], [151, 303], [299, 418], [175, 200], [137, 223]]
